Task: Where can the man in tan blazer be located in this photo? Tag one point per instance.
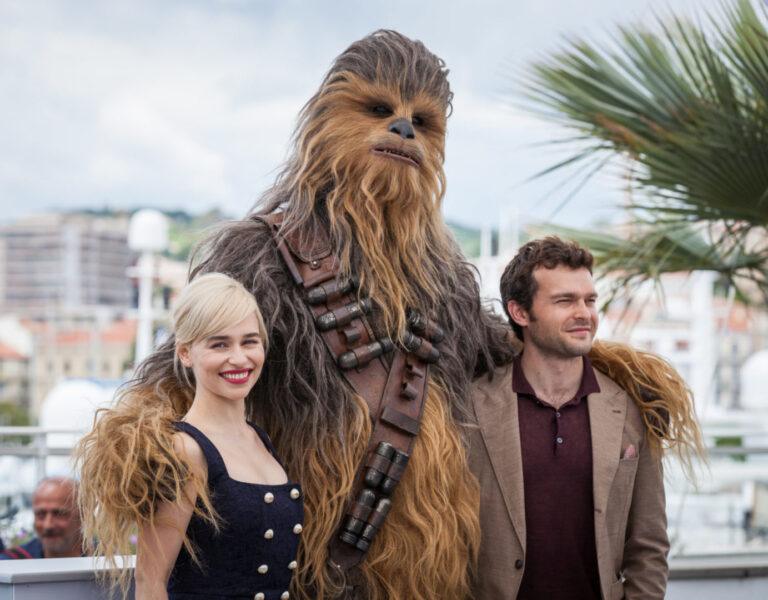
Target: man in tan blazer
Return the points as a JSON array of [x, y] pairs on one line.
[[572, 499]]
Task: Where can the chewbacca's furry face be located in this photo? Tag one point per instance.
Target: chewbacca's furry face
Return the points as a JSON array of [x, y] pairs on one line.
[[370, 134], [388, 133], [372, 153]]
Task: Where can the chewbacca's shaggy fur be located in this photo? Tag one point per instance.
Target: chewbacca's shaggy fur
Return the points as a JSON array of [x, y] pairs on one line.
[[383, 220], [664, 399], [321, 429]]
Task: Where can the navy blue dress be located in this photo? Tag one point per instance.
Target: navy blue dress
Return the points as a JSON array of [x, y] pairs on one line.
[[254, 554]]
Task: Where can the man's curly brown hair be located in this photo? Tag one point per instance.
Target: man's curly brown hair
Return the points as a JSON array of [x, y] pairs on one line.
[[519, 284]]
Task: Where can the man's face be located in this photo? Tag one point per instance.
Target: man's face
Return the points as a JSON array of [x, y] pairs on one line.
[[563, 316], [57, 521]]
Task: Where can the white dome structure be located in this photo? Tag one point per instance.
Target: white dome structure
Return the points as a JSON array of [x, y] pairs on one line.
[[72, 404], [754, 382], [148, 231]]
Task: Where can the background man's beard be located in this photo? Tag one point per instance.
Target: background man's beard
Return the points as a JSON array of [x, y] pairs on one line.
[[54, 545]]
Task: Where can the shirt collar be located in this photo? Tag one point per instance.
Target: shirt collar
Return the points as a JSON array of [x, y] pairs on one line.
[[588, 385]]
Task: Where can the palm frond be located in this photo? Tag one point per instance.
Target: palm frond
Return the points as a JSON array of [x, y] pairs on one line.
[[652, 251], [686, 106]]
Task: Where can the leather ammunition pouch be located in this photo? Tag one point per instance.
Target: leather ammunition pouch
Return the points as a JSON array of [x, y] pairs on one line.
[[394, 390]]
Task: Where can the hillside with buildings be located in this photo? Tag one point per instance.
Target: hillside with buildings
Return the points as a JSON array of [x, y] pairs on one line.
[[68, 297]]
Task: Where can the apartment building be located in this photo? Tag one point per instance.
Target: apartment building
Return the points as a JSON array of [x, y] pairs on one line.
[[64, 261], [14, 377]]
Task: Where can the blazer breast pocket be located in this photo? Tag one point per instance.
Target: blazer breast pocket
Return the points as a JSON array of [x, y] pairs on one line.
[[627, 469], [623, 484]]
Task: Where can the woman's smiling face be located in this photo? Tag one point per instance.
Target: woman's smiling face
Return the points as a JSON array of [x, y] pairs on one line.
[[227, 363]]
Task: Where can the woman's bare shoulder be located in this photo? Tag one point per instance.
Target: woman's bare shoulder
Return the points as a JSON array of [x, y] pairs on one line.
[[189, 451]]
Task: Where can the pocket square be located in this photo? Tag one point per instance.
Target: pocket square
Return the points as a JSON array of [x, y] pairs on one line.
[[629, 452]]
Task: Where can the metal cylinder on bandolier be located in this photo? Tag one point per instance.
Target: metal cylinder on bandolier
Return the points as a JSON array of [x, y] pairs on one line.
[[331, 290], [425, 327], [335, 319], [374, 522], [420, 347], [379, 464], [357, 517], [359, 357], [389, 483]]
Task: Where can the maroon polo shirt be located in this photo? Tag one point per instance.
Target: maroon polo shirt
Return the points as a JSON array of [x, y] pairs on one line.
[[556, 445]]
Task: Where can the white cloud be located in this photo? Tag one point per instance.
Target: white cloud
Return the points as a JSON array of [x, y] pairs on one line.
[[141, 130], [191, 104]]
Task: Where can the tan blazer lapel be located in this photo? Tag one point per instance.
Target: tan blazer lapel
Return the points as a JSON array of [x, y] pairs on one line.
[[607, 412], [497, 416]]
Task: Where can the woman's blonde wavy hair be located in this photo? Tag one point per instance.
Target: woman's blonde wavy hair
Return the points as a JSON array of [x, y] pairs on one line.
[[128, 464]]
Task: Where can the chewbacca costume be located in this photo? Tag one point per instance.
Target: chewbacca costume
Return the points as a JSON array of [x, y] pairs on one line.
[[361, 192], [363, 187]]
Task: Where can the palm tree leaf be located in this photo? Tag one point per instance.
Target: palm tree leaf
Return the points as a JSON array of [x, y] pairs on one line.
[[651, 252], [687, 107]]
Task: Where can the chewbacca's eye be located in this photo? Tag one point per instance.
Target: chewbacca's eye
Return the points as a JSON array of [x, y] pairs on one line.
[[381, 110], [417, 120]]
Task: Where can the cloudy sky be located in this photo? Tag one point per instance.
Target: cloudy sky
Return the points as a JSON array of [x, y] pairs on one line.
[[190, 103]]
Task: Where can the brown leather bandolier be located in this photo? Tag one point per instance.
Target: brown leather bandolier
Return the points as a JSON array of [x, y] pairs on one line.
[[394, 390]]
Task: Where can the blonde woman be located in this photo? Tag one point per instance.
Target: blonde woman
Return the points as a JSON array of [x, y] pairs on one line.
[[215, 513]]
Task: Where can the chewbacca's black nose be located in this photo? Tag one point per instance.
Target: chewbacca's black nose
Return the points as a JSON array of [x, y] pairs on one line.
[[403, 128]]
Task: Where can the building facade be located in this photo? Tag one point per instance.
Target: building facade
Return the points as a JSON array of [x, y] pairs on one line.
[[14, 377], [100, 349], [64, 261]]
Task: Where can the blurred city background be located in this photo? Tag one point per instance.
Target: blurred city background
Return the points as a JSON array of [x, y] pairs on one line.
[[130, 131]]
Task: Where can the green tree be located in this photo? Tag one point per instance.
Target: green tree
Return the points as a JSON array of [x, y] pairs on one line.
[[685, 106]]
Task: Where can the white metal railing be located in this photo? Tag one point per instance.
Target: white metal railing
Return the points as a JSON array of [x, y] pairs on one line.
[[38, 448], [38, 444], [715, 577]]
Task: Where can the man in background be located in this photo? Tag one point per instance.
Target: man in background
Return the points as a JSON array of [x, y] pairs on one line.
[[57, 522]]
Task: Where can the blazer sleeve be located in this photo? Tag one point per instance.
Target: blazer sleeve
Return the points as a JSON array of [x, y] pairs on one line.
[[646, 547]]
